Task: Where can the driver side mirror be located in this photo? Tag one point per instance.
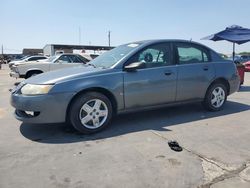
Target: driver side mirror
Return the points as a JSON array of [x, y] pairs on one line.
[[134, 66]]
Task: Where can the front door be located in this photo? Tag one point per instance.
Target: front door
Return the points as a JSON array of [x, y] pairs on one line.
[[155, 84]]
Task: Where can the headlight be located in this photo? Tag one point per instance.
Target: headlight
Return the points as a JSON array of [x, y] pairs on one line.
[[31, 89]]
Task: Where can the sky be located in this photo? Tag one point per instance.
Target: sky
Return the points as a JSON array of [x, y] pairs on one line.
[[35, 23]]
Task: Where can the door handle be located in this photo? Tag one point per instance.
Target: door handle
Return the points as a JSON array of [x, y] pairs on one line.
[[168, 73], [205, 68]]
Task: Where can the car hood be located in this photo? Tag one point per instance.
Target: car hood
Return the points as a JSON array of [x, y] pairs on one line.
[[62, 75]]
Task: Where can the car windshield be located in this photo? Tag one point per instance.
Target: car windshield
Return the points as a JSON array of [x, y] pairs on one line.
[[52, 58], [109, 58]]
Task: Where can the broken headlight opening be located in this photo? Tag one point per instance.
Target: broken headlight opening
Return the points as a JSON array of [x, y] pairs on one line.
[[27, 114], [31, 113]]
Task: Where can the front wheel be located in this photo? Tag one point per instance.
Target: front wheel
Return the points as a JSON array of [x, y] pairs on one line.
[[216, 97], [90, 112], [32, 73]]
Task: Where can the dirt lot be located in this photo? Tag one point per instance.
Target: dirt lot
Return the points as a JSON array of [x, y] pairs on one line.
[[133, 151]]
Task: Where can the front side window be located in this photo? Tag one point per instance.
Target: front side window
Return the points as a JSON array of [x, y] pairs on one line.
[[153, 56], [188, 54]]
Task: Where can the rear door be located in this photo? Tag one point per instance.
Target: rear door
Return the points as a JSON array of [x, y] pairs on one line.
[[155, 84], [195, 71]]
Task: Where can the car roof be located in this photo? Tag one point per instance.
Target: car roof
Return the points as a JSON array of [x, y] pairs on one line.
[[153, 41], [67, 54], [167, 40]]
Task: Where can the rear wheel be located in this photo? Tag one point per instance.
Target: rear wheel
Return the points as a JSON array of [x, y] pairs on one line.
[[216, 97], [90, 112]]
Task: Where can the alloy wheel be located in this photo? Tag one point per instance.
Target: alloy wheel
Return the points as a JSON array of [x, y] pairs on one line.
[[218, 97], [93, 113]]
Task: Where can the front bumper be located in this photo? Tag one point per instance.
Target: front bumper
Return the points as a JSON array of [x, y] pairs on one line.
[[49, 108]]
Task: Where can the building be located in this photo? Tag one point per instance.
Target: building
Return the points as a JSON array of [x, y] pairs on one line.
[[32, 51], [53, 49]]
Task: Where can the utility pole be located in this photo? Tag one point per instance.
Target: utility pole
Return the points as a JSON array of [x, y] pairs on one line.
[[79, 35], [109, 37], [1, 58]]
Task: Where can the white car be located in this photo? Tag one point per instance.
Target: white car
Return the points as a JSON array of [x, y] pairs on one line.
[[27, 59], [54, 62]]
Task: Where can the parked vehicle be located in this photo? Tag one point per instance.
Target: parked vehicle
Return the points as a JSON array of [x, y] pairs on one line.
[[245, 58], [26, 59], [240, 58], [136, 76], [53, 63], [247, 66], [4, 59]]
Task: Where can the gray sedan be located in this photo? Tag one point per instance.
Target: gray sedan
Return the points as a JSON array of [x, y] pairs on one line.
[[135, 76]]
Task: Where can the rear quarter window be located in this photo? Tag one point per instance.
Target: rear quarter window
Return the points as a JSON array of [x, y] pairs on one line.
[[215, 56]]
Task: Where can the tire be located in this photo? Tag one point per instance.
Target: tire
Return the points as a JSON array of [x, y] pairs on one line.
[[90, 112], [216, 97]]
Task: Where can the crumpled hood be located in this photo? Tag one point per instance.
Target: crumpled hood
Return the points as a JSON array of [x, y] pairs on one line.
[[63, 75]]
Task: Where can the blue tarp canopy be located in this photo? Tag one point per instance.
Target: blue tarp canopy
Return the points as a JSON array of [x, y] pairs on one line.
[[234, 33]]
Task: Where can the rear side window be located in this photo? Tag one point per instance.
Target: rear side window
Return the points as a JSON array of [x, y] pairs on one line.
[[189, 54]]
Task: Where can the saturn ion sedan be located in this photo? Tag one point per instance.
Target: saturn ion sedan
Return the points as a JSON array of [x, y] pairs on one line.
[[131, 77]]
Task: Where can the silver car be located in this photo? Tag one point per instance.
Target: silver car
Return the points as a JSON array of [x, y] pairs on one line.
[[135, 76]]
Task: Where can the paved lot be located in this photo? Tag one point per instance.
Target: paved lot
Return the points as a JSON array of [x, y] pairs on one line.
[[133, 151]]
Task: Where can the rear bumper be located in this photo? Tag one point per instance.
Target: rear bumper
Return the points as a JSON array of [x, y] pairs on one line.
[[46, 108]]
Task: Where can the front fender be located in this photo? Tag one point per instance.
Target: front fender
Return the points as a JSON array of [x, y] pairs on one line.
[[112, 82]]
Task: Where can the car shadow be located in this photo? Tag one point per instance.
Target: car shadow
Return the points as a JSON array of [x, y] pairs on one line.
[[159, 120]]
